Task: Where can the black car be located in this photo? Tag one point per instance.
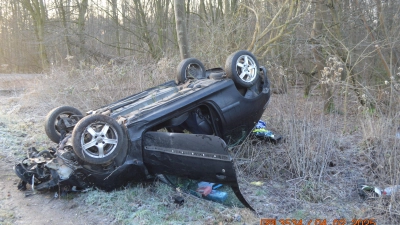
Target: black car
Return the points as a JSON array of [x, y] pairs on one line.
[[181, 128]]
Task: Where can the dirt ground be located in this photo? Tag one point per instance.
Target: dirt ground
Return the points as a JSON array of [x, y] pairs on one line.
[[44, 208], [17, 207]]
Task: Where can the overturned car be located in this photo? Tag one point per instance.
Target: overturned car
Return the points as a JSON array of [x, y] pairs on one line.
[[181, 128]]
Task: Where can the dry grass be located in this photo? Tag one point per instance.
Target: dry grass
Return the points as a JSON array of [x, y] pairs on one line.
[[89, 88], [323, 157], [153, 204]]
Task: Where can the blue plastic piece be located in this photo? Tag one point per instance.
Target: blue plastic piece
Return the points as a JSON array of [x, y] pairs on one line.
[[217, 196], [204, 184], [261, 130], [261, 124], [217, 186]]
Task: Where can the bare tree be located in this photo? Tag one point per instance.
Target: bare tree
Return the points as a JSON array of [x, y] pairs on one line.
[[82, 9], [38, 12], [114, 6], [179, 6], [63, 8], [319, 57]]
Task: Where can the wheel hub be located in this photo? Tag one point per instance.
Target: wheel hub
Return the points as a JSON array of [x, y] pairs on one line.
[[99, 140]]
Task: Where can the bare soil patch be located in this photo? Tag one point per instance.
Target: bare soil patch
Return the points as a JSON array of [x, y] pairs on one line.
[[17, 207]]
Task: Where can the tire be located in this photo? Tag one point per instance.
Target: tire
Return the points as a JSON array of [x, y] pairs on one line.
[[190, 68], [242, 68], [98, 139], [53, 118]]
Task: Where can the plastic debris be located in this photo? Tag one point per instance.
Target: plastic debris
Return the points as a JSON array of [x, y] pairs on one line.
[[260, 131], [261, 124], [263, 132], [257, 183], [391, 190], [385, 192], [217, 196], [371, 188], [205, 184], [208, 191], [216, 186]]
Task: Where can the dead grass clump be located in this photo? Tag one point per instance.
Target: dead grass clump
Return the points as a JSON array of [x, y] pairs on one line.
[[380, 149], [379, 152], [310, 144], [308, 164]]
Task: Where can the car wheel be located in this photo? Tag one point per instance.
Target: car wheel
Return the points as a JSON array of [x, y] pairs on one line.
[[242, 68], [97, 139], [51, 124], [190, 68]]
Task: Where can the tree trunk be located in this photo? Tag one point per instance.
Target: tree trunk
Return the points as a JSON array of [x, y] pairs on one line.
[[183, 42], [203, 16], [227, 9], [162, 21], [203, 12], [211, 11], [115, 19], [38, 13], [317, 50], [81, 25], [187, 14], [145, 33], [62, 11]]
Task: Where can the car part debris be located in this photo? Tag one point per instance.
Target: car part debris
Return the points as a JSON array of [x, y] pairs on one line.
[[181, 129]]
